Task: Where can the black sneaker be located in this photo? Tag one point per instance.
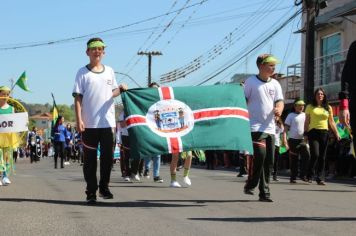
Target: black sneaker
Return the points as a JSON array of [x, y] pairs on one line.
[[265, 199], [146, 174], [106, 194], [248, 191], [158, 179], [91, 198]]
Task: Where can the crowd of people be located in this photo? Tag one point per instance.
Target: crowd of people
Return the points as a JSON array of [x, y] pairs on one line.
[[306, 135]]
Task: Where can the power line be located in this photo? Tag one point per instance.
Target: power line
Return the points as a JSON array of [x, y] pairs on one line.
[[255, 47], [52, 42]]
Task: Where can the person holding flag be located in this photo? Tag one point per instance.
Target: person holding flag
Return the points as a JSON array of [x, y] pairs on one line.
[[94, 89], [8, 141], [264, 101]]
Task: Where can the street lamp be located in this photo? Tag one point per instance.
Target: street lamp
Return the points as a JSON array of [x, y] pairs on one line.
[[120, 73]]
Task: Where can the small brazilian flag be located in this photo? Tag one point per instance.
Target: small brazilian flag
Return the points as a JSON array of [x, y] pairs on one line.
[[21, 82]]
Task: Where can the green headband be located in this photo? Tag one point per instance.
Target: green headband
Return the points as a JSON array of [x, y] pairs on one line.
[[5, 88], [96, 44], [270, 59]]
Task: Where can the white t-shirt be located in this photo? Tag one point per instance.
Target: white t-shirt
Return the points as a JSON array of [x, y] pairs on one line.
[[261, 98], [295, 122], [279, 130], [98, 110]]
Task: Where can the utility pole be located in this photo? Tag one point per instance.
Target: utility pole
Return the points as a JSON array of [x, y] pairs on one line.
[[309, 51], [149, 54], [312, 11]]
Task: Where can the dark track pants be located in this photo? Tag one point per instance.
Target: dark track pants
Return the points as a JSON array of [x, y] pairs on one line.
[[91, 138], [263, 148]]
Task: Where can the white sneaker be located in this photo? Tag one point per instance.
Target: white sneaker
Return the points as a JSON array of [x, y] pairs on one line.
[[127, 179], [0, 183], [187, 181], [66, 163], [175, 184], [6, 181], [135, 178]]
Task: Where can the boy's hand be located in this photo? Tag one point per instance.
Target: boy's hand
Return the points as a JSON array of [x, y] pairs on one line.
[[123, 87], [80, 126], [119, 90]]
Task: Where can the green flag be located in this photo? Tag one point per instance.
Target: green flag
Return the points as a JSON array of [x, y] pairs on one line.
[[21, 82], [172, 120]]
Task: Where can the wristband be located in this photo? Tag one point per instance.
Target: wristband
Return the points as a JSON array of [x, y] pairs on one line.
[[344, 104]]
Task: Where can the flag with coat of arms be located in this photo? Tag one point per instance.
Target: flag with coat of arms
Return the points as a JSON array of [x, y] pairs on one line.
[[176, 119]]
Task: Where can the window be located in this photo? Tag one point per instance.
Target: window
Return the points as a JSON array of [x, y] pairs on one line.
[[330, 54]]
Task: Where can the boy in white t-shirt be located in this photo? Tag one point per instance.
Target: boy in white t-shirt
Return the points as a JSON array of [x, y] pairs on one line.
[[294, 125], [264, 102], [94, 89]]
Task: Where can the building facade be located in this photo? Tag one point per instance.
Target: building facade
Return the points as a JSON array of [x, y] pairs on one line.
[[335, 30]]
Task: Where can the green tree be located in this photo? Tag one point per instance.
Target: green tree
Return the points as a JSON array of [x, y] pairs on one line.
[[67, 112]]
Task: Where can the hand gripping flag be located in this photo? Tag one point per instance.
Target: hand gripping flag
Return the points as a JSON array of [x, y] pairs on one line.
[[172, 120]]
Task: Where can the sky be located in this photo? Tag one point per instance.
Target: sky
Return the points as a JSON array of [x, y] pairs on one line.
[[207, 40]]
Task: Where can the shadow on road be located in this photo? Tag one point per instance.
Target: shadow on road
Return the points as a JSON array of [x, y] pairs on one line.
[[323, 190], [200, 201], [275, 219], [136, 204]]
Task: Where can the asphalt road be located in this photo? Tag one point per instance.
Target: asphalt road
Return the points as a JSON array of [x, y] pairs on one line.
[[46, 201]]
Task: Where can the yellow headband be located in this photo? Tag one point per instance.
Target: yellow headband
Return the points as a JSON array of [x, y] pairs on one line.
[[5, 88], [300, 102], [96, 44], [270, 59]]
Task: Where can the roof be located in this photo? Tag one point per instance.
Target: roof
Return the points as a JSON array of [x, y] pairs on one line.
[[43, 116], [347, 9]]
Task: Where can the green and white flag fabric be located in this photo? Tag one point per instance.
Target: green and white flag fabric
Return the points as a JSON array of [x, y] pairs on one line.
[[175, 119]]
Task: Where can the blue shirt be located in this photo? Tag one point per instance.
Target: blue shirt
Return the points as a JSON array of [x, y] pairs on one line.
[[60, 133]]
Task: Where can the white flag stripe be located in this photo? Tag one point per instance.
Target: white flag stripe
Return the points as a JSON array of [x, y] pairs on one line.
[[171, 92], [169, 145], [136, 124]]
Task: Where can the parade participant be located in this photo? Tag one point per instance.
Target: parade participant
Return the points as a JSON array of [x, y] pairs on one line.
[[348, 90], [94, 89], [34, 144], [294, 126], [264, 102], [8, 141], [319, 116], [68, 144], [78, 146], [155, 159], [187, 156], [122, 139], [59, 132], [278, 144]]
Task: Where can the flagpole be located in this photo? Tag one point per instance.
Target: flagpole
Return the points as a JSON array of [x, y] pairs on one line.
[[12, 84]]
